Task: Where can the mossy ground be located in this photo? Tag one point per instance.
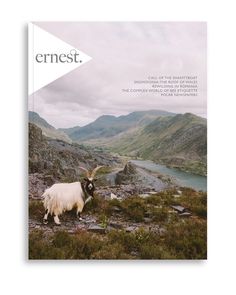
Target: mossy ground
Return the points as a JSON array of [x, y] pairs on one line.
[[180, 238]]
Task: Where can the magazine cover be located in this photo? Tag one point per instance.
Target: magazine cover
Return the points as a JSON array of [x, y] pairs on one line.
[[117, 140]]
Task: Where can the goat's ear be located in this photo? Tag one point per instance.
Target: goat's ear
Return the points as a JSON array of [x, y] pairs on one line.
[[85, 179], [95, 179]]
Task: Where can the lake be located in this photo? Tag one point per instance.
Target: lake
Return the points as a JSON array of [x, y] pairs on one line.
[[181, 178]]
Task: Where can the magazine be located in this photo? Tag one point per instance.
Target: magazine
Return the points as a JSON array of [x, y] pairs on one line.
[[117, 140]]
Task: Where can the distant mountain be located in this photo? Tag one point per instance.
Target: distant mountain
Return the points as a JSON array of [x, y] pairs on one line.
[[108, 126], [47, 129], [178, 141], [39, 121], [69, 131]]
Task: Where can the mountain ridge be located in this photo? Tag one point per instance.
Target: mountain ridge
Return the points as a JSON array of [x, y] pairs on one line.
[[109, 125], [176, 140], [47, 129], [179, 141]]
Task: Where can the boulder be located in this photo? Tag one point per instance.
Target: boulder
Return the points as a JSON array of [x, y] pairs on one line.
[[97, 229]]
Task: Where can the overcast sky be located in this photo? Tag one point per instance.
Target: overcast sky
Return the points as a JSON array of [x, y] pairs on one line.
[[122, 53]]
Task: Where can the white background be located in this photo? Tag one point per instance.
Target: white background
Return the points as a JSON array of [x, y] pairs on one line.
[[215, 276]]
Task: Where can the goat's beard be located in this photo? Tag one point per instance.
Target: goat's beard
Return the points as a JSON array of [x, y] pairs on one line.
[[88, 200]]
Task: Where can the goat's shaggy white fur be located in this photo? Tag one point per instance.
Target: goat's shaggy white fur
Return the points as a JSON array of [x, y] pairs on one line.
[[63, 197]]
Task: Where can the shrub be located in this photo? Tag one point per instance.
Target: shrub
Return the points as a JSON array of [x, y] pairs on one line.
[[36, 209], [152, 251], [180, 238], [40, 248], [111, 251], [85, 244], [160, 214], [154, 200], [63, 245], [127, 240], [188, 240], [97, 205], [134, 208], [201, 211], [196, 203]]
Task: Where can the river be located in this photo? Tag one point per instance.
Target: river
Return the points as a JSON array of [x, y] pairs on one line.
[[181, 178]]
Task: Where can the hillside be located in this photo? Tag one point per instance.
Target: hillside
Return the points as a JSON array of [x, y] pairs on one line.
[[69, 131], [175, 140], [47, 129], [179, 141], [108, 126], [53, 160], [139, 216]]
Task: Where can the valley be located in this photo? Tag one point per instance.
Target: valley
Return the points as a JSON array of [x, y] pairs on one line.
[[131, 215]]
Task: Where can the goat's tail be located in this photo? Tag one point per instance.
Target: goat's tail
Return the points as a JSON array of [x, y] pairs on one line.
[[46, 197], [51, 203]]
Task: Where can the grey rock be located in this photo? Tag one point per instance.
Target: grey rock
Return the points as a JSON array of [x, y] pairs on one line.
[[97, 229], [185, 214], [116, 225], [116, 209], [178, 208]]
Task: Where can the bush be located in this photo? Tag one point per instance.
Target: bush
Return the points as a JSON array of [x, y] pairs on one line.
[[40, 248], [111, 251], [152, 251], [36, 209], [177, 238], [63, 245], [97, 205], [188, 240], [154, 200], [134, 208], [196, 203], [160, 214], [133, 242], [127, 240]]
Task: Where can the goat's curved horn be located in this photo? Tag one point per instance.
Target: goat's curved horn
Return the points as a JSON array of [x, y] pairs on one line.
[[95, 171], [86, 170]]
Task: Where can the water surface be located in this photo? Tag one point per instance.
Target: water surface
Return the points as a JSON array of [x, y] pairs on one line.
[[181, 178]]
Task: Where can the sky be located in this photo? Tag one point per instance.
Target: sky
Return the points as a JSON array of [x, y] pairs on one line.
[[121, 53]]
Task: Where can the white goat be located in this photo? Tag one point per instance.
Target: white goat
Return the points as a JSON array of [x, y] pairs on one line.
[[62, 197]]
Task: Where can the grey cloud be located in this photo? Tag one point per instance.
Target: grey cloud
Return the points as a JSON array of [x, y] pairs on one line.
[[122, 53]]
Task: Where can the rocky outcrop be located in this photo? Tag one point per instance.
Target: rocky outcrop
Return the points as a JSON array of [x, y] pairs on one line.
[[141, 179], [128, 175], [52, 160], [47, 129]]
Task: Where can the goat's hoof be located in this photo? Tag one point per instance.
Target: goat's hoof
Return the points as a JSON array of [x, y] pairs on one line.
[[58, 224], [45, 221], [80, 219]]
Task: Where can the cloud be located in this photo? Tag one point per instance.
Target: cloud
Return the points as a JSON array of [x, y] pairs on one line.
[[122, 53]]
